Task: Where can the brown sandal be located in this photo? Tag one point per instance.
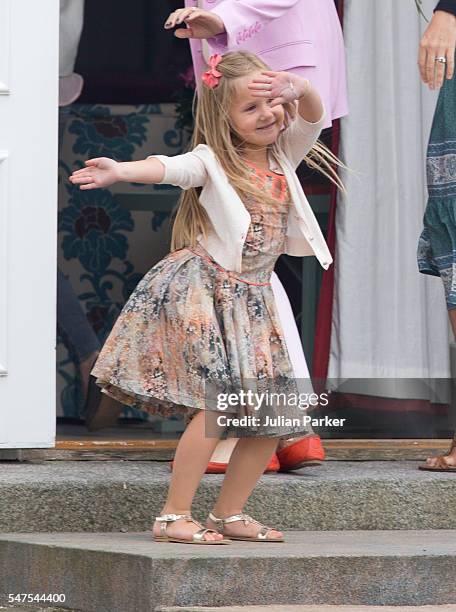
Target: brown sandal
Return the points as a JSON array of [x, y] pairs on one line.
[[441, 464]]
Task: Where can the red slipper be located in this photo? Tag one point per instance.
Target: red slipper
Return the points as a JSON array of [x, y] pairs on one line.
[[307, 451], [220, 468]]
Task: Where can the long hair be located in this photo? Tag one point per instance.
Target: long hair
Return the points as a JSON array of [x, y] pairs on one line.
[[213, 128]]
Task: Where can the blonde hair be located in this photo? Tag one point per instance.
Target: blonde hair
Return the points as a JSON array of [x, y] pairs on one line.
[[213, 128]]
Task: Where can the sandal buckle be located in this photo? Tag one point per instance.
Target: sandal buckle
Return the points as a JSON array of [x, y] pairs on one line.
[[170, 518]]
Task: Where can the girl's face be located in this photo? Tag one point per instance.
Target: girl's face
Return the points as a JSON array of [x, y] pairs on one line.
[[255, 121]]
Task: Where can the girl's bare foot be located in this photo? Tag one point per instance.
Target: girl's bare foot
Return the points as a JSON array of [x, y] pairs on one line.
[[243, 528], [184, 529]]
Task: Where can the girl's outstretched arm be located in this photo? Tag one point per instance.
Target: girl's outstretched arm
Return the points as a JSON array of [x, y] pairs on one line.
[[102, 172]]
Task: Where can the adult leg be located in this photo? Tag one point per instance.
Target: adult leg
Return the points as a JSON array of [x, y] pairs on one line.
[[305, 450], [293, 342], [99, 410], [74, 326], [450, 458], [223, 450]]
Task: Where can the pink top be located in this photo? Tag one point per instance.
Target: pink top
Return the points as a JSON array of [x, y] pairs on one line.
[[302, 36], [273, 182]]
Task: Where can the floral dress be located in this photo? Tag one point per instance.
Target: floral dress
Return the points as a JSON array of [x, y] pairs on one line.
[[192, 330]]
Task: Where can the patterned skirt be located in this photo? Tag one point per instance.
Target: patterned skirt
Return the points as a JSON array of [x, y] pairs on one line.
[[193, 333], [437, 243]]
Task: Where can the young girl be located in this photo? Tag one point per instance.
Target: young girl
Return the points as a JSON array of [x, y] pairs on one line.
[[202, 323]]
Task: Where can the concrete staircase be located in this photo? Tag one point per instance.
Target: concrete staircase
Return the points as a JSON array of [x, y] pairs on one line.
[[372, 533]]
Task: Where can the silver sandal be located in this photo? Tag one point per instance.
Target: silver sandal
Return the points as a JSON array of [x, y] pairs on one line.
[[262, 535], [197, 538]]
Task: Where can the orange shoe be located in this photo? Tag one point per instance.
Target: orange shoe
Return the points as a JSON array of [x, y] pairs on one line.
[[307, 451], [220, 468]]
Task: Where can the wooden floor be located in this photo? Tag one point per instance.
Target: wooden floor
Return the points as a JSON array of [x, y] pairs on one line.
[[141, 443], [142, 439]]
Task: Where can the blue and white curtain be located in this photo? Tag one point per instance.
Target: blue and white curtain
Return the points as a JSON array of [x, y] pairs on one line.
[[105, 249]]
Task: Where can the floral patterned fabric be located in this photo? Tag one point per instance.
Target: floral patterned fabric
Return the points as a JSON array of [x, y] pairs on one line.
[[192, 329], [105, 248]]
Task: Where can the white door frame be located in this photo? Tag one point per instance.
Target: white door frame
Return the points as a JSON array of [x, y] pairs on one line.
[[29, 58]]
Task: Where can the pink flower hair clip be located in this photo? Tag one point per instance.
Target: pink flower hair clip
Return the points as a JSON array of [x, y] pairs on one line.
[[212, 76]]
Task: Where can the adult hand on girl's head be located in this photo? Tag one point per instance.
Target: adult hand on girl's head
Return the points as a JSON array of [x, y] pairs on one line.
[[280, 87], [439, 40], [100, 172], [200, 24]]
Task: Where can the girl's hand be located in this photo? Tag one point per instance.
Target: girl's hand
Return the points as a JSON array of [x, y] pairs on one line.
[[200, 24], [100, 172], [280, 87]]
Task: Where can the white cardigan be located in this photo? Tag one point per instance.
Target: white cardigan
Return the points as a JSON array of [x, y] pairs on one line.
[[227, 213]]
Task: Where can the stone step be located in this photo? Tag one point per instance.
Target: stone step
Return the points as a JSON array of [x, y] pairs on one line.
[[272, 608], [304, 608], [125, 496], [106, 572]]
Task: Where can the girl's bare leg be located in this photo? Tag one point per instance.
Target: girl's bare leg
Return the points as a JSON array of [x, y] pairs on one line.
[[450, 459], [247, 464], [190, 462]]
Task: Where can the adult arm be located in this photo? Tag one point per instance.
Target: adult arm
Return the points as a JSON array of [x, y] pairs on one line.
[[229, 24], [243, 19], [439, 40], [449, 6]]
